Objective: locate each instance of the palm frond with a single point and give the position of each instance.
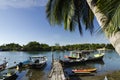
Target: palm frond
(77, 16)
(58, 17)
(79, 26)
(87, 17)
(116, 18)
(59, 11)
(49, 10)
(114, 25)
(111, 8)
(70, 12)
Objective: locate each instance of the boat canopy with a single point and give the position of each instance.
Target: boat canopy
(101, 50)
(74, 54)
(37, 58)
(78, 54)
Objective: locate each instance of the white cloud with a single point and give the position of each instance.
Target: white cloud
(22, 3)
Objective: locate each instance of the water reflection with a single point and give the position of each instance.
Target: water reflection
(96, 64)
(22, 74)
(31, 74)
(35, 74)
(111, 61)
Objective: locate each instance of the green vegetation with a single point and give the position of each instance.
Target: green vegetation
(11, 47)
(36, 46)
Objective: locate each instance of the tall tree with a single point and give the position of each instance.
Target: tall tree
(32, 46)
(77, 12)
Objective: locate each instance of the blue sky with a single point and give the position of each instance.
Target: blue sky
(22, 21)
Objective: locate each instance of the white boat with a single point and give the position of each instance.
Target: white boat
(38, 61)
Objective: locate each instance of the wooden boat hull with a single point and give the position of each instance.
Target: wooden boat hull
(8, 74)
(3, 66)
(37, 66)
(85, 70)
(82, 72)
(13, 77)
(96, 58)
(72, 58)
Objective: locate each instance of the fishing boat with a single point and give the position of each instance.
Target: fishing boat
(38, 61)
(8, 74)
(3, 66)
(81, 57)
(24, 64)
(96, 57)
(78, 54)
(33, 62)
(84, 70)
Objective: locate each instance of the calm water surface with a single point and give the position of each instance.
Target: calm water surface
(111, 62)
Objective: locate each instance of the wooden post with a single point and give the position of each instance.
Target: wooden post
(52, 59)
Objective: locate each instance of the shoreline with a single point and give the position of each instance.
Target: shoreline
(111, 75)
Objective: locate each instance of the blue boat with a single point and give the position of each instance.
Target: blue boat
(34, 62)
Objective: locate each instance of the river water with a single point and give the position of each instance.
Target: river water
(111, 62)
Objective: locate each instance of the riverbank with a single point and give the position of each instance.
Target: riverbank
(115, 75)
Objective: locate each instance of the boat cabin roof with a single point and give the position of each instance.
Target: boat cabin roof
(80, 52)
(37, 57)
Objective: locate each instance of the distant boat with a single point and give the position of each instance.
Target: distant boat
(38, 61)
(80, 57)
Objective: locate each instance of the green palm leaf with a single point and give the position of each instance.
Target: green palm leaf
(71, 13)
(111, 8)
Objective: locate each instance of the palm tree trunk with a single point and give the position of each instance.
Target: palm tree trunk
(102, 19)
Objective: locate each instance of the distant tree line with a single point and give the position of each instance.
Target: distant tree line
(36, 46)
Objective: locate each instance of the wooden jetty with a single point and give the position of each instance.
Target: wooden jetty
(56, 71)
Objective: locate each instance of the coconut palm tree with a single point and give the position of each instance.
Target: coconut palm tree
(76, 12)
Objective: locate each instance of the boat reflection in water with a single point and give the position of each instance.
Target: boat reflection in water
(87, 65)
(31, 74)
(36, 74)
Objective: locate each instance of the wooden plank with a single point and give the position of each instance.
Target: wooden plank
(56, 71)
